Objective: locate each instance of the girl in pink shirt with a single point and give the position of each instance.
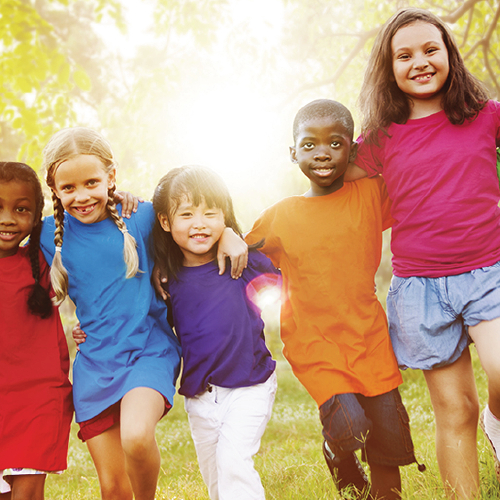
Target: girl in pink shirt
(431, 131)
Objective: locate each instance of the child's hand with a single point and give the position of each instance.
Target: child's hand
(79, 335)
(158, 280)
(129, 202)
(232, 246)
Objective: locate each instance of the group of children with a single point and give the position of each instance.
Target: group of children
(429, 129)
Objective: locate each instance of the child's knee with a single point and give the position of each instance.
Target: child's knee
(137, 440)
(345, 426)
(458, 414)
(116, 488)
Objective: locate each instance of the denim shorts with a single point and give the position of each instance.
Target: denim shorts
(429, 317)
(377, 425)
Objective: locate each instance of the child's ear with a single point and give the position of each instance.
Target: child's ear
(293, 154)
(353, 152)
(164, 222)
(112, 178)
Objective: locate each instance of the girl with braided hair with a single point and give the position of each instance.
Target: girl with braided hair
(124, 375)
(35, 392)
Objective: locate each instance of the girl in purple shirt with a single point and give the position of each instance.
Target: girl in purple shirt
(431, 131)
(228, 374)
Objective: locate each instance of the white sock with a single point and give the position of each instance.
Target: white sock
(492, 428)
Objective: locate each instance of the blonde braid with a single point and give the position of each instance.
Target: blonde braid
(58, 273)
(130, 255)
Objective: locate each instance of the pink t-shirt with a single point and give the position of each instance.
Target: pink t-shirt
(443, 183)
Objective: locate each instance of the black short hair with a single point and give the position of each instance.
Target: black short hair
(321, 108)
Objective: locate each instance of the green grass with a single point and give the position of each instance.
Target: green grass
(290, 460)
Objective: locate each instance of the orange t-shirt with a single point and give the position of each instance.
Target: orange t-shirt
(333, 327)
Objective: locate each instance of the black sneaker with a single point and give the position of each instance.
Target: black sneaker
(348, 474)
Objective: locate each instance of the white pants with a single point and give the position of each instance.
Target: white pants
(227, 426)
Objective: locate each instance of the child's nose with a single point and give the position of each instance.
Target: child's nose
(322, 154)
(7, 218)
(420, 61)
(81, 194)
(198, 222)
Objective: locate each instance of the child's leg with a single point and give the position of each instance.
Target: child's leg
(345, 430)
(386, 482)
(205, 424)
(109, 460)
(28, 487)
(247, 412)
(389, 444)
(456, 408)
(486, 336)
(141, 409)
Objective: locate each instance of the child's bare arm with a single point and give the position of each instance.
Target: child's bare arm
(158, 279)
(232, 246)
(353, 173)
(129, 202)
(79, 335)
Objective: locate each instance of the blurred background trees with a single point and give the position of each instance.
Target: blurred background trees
(215, 82)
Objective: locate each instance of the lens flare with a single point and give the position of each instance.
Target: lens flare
(264, 290)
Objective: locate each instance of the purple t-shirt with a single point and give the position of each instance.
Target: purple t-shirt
(443, 183)
(220, 328)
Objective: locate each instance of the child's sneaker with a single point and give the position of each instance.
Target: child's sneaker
(347, 473)
(495, 456)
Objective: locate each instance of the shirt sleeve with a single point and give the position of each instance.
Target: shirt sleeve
(263, 229)
(368, 157)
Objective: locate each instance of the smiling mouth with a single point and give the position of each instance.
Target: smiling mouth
(322, 171)
(199, 236)
(7, 235)
(423, 78)
(85, 210)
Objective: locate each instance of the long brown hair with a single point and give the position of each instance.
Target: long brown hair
(382, 102)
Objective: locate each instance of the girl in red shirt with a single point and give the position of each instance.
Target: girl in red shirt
(36, 409)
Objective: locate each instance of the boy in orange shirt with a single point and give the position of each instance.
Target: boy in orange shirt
(328, 245)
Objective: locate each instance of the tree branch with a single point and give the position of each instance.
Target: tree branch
(455, 16)
(363, 38)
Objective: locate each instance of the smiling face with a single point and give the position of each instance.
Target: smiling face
(323, 149)
(196, 229)
(82, 184)
(420, 65)
(17, 215)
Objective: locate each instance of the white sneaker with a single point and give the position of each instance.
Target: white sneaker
(495, 456)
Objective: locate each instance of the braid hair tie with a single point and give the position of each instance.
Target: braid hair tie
(58, 249)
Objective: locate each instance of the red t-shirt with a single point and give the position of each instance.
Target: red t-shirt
(36, 405)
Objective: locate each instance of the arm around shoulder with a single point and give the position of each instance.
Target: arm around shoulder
(353, 173)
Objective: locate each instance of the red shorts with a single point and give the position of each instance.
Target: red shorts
(105, 420)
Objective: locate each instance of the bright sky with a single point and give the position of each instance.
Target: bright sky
(229, 124)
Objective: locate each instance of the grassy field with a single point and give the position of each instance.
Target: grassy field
(290, 461)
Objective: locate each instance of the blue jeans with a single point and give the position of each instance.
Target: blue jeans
(377, 425)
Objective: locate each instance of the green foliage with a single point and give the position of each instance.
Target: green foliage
(42, 81)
